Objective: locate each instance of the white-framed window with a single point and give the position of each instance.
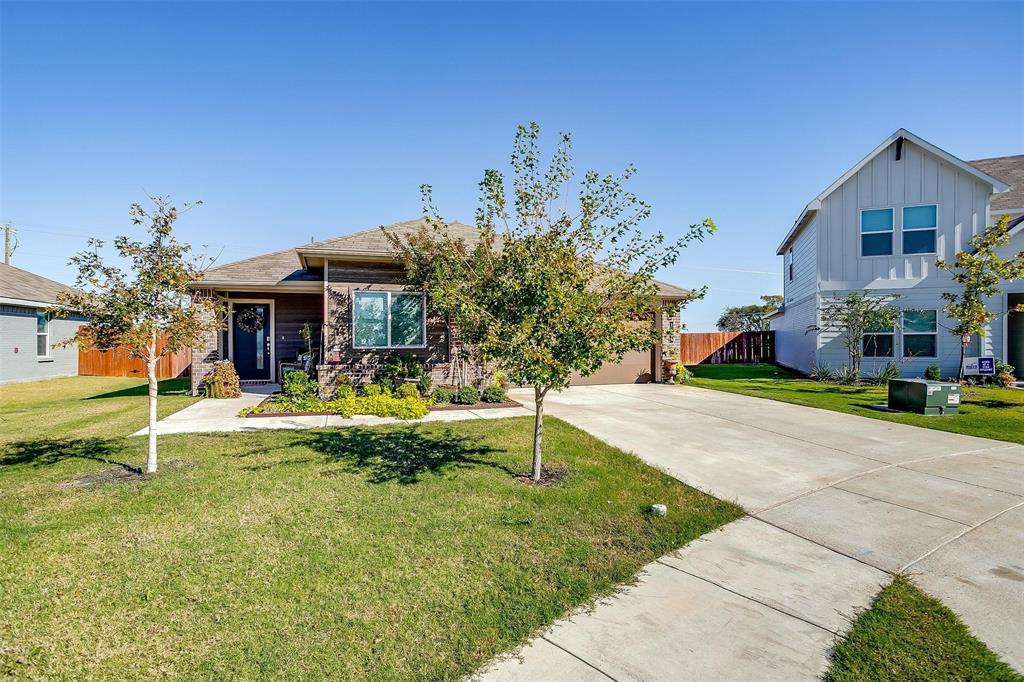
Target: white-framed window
(920, 333)
(879, 342)
(42, 334)
(920, 224)
(389, 319)
(876, 232)
(789, 264)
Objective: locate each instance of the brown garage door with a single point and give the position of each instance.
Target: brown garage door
(635, 368)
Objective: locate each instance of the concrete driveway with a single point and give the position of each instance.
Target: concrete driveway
(837, 505)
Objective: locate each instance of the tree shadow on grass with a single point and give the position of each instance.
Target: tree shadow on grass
(165, 387)
(47, 452)
(400, 455)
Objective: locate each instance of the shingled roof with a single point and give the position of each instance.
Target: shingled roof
(1009, 169)
(284, 268)
(24, 286)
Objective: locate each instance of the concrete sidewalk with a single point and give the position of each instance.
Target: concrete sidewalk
(838, 504)
(209, 416)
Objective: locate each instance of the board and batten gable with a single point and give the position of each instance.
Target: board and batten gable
(917, 178)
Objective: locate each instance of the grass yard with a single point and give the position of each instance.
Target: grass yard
(986, 412)
(383, 553)
(907, 635)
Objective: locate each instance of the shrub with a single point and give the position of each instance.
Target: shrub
(443, 395)
(494, 394)
(396, 368)
(467, 395)
(371, 390)
(823, 373)
(933, 372)
(408, 391)
(222, 381)
(883, 374)
(423, 384)
(500, 379)
(682, 374)
(344, 391)
(381, 405)
(848, 376)
(297, 384)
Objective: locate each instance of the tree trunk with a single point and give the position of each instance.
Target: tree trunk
(151, 375)
(538, 429)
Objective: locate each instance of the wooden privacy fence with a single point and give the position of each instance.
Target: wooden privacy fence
(118, 363)
(716, 348)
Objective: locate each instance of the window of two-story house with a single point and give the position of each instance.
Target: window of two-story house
(920, 333)
(879, 342)
(789, 264)
(388, 319)
(876, 229)
(919, 226)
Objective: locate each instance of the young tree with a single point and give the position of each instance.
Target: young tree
(856, 315)
(546, 291)
(749, 318)
(979, 273)
(134, 309)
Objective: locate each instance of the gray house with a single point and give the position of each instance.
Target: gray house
(881, 226)
(28, 333)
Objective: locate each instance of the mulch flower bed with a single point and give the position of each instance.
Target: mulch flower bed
(474, 406)
(432, 408)
(549, 475)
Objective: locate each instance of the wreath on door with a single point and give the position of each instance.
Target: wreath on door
(249, 319)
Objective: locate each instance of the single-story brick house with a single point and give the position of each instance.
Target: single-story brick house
(29, 333)
(350, 290)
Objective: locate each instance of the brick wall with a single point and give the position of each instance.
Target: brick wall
(207, 350)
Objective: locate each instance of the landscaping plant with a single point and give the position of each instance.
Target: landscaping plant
(147, 308)
(297, 384)
(822, 373)
(547, 290)
(396, 369)
(443, 395)
(467, 395)
(979, 272)
(494, 394)
(222, 381)
(933, 372)
(853, 317)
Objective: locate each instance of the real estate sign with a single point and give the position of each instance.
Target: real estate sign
(983, 366)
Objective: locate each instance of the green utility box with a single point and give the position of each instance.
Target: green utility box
(923, 396)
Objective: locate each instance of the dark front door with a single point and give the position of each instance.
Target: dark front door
(1015, 336)
(250, 340)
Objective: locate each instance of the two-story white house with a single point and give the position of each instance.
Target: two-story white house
(881, 226)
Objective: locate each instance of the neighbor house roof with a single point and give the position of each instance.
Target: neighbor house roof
(287, 269)
(814, 204)
(1009, 169)
(21, 287)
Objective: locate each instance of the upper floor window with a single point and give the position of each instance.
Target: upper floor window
(919, 226)
(876, 232)
(789, 264)
(920, 332)
(42, 334)
(388, 319)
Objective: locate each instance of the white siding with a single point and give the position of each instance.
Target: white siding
(18, 361)
(805, 266)
(794, 346)
(918, 178)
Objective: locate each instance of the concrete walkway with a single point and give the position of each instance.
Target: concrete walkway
(207, 416)
(837, 504)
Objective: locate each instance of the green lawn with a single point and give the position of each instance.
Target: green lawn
(907, 635)
(987, 412)
(383, 553)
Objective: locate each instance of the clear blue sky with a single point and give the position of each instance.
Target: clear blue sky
(295, 120)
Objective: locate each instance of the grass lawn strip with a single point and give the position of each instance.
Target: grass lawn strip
(907, 635)
(986, 412)
(382, 553)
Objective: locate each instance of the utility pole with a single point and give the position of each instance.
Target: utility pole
(7, 243)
